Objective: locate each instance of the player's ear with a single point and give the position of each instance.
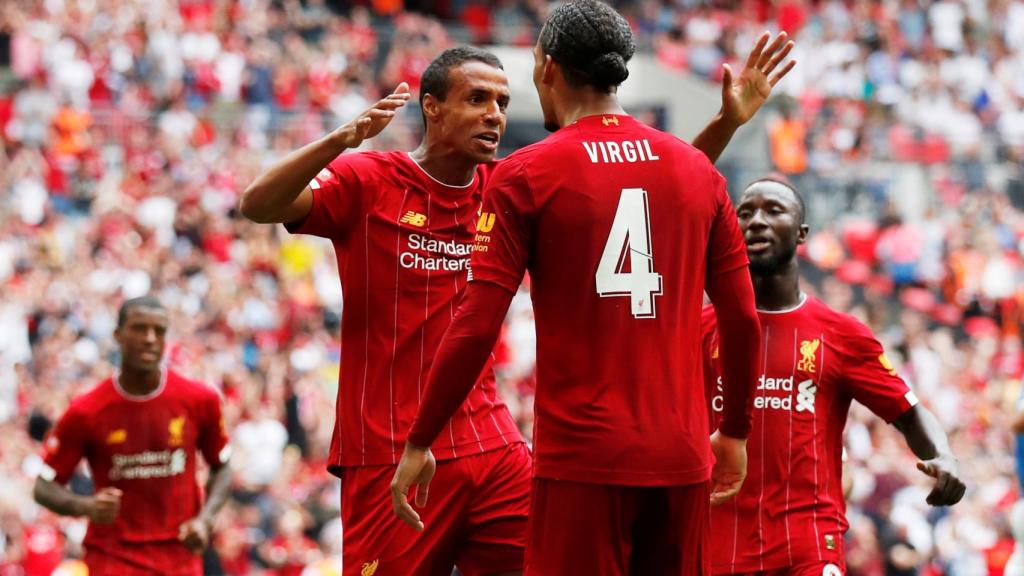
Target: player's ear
(547, 74)
(431, 108)
(801, 236)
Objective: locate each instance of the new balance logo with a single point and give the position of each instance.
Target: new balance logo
(117, 436)
(805, 393)
(415, 218)
(884, 361)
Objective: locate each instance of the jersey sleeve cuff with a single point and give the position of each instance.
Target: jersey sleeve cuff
(737, 430)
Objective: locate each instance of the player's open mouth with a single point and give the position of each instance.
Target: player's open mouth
(758, 244)
(488, 139)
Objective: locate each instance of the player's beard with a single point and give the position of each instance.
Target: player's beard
(773, 263)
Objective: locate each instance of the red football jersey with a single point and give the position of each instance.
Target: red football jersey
(146, 447)
(403, 242)
(815, 361)
(619, 225)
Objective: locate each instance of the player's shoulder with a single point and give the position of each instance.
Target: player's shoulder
(679, 149)
(368, 163)
(839, 323)
(189, 387)
(94, 398)
(531, 153)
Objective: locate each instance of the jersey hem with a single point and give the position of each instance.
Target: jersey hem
(619, 478)
(489, 444)
(759, 566)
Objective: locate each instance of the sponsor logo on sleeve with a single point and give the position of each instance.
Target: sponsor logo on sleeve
(323, 177)
(884, 361)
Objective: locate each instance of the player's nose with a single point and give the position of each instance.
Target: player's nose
(757, 219)
(493, 114)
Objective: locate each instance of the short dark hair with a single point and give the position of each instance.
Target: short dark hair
(591, 42)
(127, 306)
(435, 79)
(780, 178)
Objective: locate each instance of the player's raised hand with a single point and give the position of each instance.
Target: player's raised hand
(949, 488)
(730, 467)
(416, 468)
(195, 535)
(743, 94)
(105, 506)
(375, 119)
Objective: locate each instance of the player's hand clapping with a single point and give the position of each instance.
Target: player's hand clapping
(195, 535)
(416, 468)
(375, 119)
(743, 95)
(104, 507)
(949, 488)
(730, 467)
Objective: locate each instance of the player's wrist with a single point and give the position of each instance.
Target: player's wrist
(343, 137)
(734, 431)
(728, 119)
(413, 446)
(83, 506)
(207, 520)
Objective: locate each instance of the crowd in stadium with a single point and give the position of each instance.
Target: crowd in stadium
(129, 129)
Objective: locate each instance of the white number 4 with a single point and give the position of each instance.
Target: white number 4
(630, 236)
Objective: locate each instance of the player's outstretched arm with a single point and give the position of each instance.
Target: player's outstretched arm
(461, 357)
(196, 533)
(745, 93)
(928, 441)
(101, 508)
(281, 195)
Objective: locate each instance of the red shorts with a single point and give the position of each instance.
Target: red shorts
(599, 529)
(810, 569)
(475, 518)
(145, 559)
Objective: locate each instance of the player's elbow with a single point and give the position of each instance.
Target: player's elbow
(39, 492)
(746, 318)
(251, 207)
(1018, 423)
